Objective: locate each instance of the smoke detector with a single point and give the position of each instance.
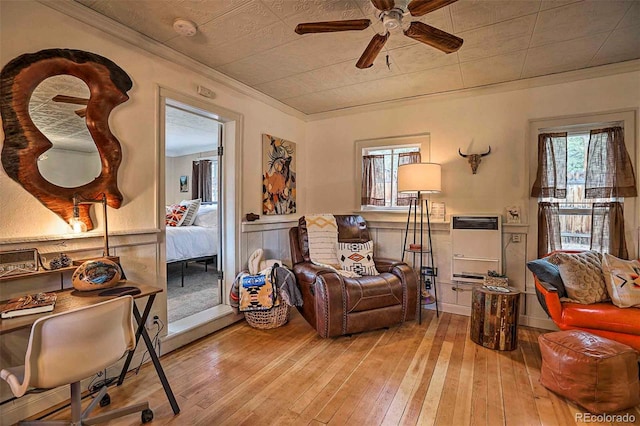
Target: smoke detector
(184, 27)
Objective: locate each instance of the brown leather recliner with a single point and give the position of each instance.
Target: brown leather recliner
(335, 305)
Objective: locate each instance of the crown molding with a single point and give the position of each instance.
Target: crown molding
(115, 29)
(545, 80)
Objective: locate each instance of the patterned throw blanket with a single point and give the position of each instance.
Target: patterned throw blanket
(322, 233)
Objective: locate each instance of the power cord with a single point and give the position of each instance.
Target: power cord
(155, 341)
(95, 385)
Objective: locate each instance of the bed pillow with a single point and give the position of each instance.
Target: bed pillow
(192, 210)
(582, 276)
(175, 215)
(549, 273)
(622, 278)
(206, 208)
(357, 257)
(208, 219)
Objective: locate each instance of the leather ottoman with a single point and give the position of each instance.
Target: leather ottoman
(597, 373)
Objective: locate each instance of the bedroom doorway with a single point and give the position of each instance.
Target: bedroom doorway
(193, 176)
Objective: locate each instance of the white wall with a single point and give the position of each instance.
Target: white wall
(180, 166)
(471, 123)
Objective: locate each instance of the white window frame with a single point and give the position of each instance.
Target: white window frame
(423, 140)
(575, 124)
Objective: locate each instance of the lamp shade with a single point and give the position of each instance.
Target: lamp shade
(423, 177)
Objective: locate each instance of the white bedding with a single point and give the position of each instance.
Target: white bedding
(188, 242)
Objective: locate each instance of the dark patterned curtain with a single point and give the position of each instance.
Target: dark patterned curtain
(607, 229)
(202, 187)
(372, 193)
(549, 238)
(551, 178)
(406, 158)
(609, 171)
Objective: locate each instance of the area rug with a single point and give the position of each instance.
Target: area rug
(200, 290)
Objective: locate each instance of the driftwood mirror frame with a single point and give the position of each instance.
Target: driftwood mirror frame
(24, 142)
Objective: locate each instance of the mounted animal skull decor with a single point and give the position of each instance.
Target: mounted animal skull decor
(474, 159)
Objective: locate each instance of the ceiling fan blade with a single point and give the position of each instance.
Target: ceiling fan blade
(333, 26)
(422, 7)
(383, 5)
(441, 40)
(70, 100)
(82, 113)
(371, 52)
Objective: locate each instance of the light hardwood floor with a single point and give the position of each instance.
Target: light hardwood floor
(409, 374)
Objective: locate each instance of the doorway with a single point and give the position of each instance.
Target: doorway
(193, 204)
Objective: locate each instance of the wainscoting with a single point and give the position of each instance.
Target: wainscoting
(272, 236)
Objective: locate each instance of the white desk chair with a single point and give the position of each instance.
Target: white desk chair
(68, 347)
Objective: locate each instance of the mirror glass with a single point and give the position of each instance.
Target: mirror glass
(57, 108)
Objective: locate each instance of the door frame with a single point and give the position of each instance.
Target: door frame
(230, 167)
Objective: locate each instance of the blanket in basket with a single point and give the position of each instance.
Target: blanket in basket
(257, 292)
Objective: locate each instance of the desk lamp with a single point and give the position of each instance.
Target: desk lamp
(420, 178)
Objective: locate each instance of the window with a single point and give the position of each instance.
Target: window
(377, 162)
(382, 164)
(575, 211)
(584, 178)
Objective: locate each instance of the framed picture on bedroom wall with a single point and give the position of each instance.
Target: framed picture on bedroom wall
(184, 183)
(278, 176)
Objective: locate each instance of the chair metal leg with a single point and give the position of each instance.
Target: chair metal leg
(96, 401)
(76, 403)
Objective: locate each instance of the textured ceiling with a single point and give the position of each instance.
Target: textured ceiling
(188, 133)
(253, 42)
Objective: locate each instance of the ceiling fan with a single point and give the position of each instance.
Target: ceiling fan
(391, 17)
(73, 100)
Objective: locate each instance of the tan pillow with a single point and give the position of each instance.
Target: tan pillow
(582, 277)
(622, 278)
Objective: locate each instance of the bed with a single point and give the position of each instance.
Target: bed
(194, 243)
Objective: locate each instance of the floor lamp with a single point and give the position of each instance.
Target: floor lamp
(420, 178)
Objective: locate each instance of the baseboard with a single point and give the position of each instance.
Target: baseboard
(543, 323)
(529, 321)
(450, 308)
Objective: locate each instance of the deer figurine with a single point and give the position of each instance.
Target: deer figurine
(474, 159)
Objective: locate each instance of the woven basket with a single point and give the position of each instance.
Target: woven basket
(272, 318)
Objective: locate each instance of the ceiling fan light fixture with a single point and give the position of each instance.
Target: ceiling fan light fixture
(392, 19)
(184, 27)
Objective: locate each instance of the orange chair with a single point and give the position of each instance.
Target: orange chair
(602, 319)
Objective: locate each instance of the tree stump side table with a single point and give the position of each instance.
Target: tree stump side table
(494, 318)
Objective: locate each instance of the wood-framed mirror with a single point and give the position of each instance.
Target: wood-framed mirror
(93, 87)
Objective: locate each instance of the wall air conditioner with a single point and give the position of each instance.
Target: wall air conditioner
(476, 245)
